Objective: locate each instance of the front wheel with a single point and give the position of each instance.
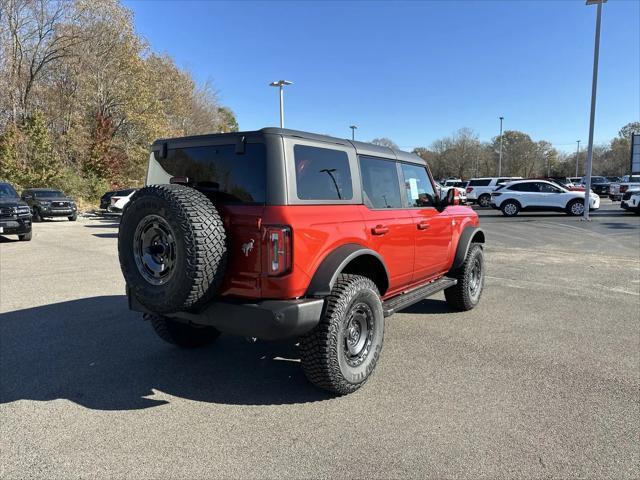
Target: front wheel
(510, 208)
(73, 217)
(575, 207)
(341, 352)
(182, 334)
(25, 237)
(465, 295)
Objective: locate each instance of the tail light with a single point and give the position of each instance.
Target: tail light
(469, 189)
(278, 241)
(623, 188)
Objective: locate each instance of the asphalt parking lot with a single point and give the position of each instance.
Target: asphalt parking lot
(542, 380)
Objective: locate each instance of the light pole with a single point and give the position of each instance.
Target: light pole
(594, 86)
(500, 157)
(577, 156)
(353, 131)
(281, 84)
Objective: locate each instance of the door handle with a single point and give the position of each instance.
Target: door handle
(423, 225)
(380, 230)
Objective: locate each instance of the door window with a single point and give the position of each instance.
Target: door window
(418, 187)
(381, 188)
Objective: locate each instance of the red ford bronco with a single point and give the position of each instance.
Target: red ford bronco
(279, 233)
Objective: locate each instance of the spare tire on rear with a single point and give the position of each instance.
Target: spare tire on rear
(172, 248)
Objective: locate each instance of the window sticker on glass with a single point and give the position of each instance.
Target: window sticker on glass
(413, 188)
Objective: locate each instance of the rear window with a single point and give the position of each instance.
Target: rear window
(220, 172)
(322, 173)
(479, 183)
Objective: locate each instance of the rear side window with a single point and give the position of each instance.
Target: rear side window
(418, 187)
(381, 188)
(322, 173)
(479, 183)
(221, 173)
(523, 187)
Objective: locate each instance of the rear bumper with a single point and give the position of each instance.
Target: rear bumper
(15, 226)
(266, 319)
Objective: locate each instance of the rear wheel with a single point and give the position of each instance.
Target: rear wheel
(341, 352)
(510, 208)
(575, 207)
(182, 334)
(466, 294)
(484, 200)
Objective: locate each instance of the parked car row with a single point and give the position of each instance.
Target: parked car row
(19, 212)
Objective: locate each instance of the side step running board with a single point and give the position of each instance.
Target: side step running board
(407, 299)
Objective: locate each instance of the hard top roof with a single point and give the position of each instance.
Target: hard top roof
(362, 148)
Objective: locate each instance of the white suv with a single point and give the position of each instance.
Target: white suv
(631, 201)
(540, 195)
(479, 189)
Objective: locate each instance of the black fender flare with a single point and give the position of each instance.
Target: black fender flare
(469, 235)
(327, 273)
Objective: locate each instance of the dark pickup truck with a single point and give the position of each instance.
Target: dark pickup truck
(48, 202)
(15, 215)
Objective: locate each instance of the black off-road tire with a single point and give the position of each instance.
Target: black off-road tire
(73, 217)
(510, 208)
(181, 334)
(462, 296)
(325, 360)
(200, 246)
(570, 205)
(25, 237)
(484, 200)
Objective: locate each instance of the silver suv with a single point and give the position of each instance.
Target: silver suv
(479, 189)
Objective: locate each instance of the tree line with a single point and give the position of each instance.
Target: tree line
(82, 96)
(463, 155)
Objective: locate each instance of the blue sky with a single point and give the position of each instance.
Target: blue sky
(411, 71)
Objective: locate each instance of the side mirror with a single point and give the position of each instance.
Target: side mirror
(27, 197)
(452, 198)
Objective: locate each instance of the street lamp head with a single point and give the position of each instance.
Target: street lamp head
(280, 83)
(353, 127)
(595, 2)
(501, 118)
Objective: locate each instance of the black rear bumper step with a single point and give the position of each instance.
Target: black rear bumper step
(407, 299)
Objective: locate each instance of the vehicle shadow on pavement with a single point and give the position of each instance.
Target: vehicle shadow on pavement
(429, 306)
(104, 225)
(97, 353)
(105, 235)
